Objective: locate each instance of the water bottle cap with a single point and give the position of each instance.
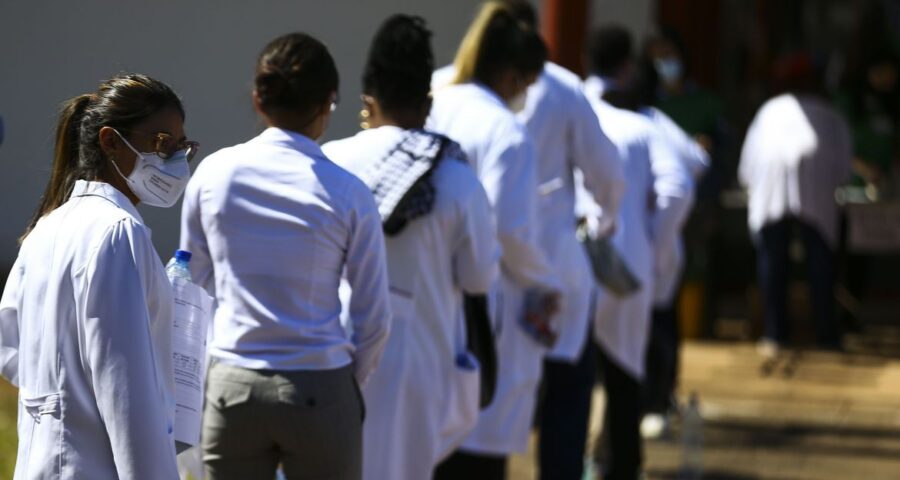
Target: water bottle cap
(182, 256)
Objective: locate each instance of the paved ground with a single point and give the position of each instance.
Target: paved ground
(812, 416)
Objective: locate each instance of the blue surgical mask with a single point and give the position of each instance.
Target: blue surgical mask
(669, 69)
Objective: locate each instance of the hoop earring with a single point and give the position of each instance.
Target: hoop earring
(364, 115)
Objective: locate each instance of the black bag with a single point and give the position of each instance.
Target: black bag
(480, 342)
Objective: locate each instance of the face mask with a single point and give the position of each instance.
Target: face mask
(157, 182)
(517, 103)
(669, 69)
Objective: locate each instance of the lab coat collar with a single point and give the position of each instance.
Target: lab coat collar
(301, 143)
(487, 93)
(595, 86)
(84, 188)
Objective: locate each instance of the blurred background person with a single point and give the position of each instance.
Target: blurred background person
(87, 312)
(656, 202)
(797, 151)
(272, 224)
(497, 60)
(444, 244)
(663, 345)
(567, 138)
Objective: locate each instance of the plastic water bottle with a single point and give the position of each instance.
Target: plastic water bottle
(178, 266)
(692, 441)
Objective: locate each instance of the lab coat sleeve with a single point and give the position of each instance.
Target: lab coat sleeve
(476, 253)
(9, 324)
(596, 157)
(509, 176)
(695, 158)
(366, 271)
(119, 355)
(673, 190)
(193, 238)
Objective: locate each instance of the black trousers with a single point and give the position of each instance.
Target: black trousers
(621, 423)
(463, 465)
(565, 407)
(773, 263)
(661, 361)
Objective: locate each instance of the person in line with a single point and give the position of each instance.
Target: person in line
(663, 345)
(86, 315)
(568, 141)
(446, 245)
(656, 202)
(797, 151)
(496, 62)
(272, 224)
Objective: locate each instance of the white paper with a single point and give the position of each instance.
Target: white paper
(193, 312)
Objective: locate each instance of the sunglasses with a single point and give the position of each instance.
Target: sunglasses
(166, 146)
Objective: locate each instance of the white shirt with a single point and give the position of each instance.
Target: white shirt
(498, 147)
(656, 202)
(86, 333)
(796, 153)
(567, 139)
(431, 262)
(272, 224)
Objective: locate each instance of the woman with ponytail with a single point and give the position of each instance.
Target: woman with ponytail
(440, 243)
(273, 224)
(497, 60)
(86, 315)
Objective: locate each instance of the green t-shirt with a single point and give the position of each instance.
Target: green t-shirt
(697, 111)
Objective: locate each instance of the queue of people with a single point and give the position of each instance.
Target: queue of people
(342, 273)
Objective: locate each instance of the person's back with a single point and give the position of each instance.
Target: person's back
(796, 153)
(278, 217)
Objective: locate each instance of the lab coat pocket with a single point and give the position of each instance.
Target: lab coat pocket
(42, 436)
(463, 403)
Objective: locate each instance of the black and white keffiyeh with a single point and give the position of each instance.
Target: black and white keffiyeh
(401, 181)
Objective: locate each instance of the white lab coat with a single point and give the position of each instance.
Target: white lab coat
(499, 149)
(797, 152)
(695, 160)
(430, 263)
(656, 202)
(567, 138)
(86, 334)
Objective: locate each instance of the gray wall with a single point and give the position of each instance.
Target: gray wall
(52, 50)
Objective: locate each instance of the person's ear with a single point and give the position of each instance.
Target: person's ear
(257, 103)
(109, 141)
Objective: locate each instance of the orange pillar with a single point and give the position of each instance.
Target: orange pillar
(564, 27)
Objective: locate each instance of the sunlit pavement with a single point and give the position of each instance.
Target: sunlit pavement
(810, 415)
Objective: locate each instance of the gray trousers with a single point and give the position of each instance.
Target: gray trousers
(309, 422)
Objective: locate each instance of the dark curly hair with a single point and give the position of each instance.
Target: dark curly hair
(398, 71)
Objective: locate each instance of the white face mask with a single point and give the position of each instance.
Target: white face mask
(669, 69)
(157, 182)
(517, 103)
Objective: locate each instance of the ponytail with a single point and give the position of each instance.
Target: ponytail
(64, 171)
(498, 40)
(466, 61)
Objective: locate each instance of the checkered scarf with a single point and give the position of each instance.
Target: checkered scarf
(401, 181)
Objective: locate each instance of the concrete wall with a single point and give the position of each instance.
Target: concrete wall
(52, 50)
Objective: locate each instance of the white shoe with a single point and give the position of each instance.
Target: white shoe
(654, 426)
(768, 348)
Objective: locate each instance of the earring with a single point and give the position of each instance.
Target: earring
(364, 118)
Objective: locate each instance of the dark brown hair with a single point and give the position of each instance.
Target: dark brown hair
(295, 73)
(121, 102)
